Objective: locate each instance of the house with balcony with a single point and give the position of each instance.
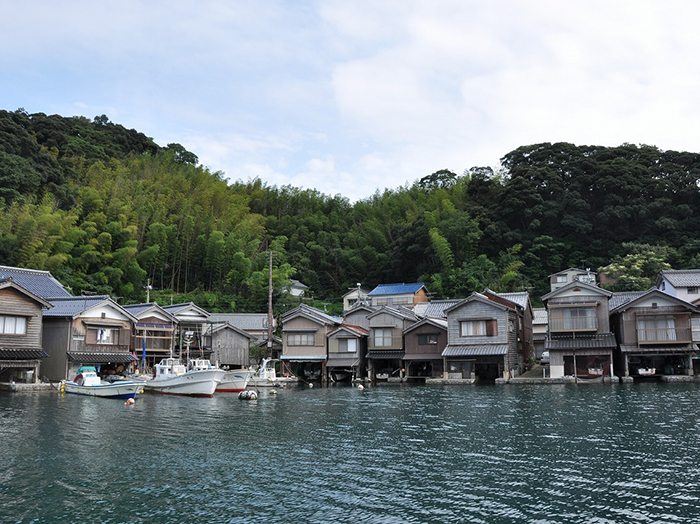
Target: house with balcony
(398, 295)
(153, 333)
(304, 341)
(482, 340)
(89, 330)
(657, 335)
(192, 323)
(680, 283)
(579, 341)
(21, 350)
(540, 323)
(386, 343)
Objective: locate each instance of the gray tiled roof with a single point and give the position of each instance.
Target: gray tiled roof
(71, 306)
(540, 316)
(475, 350)
(137, 309)
(434, 308)
(682, 277)
(245, 321)
(518, 298)
(622, 298)
(41, 283)
(316, 314)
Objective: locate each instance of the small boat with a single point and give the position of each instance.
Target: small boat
(646, 372)
(197, 379)
(234, 380)
(87, 382)
(266, 376)
(595, 371)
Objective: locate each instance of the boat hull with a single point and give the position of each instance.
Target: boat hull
(234, 381)
(193, 383)
(123, 390)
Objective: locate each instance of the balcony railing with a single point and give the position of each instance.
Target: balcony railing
(663, 335)
(573, 324)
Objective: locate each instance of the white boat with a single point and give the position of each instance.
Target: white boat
(87, 382)
(197, 379)
(647, 372)
(266, 376)
(234, 380)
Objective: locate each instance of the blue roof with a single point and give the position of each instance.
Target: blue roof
(41, 283)
(395, 289)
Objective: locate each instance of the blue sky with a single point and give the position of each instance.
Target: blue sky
(351, 97)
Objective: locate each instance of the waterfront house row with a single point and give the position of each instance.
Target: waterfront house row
(482, 337)
(46, 332)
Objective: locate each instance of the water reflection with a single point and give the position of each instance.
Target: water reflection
(386, 454)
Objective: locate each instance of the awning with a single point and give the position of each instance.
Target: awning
(22, 354)
(385, 354)
(303, 358)
(342, 362)
(475, 351)
(601, 341)
(651, 350)
(102, 358)
(104, 323)
(422, 356)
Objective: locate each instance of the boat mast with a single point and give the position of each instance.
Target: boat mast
(269, 305)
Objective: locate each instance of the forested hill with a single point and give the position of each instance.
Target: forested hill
(107, 210)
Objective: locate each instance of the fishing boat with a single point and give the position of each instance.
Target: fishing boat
(199, 378)
(266, 376)
(234, 380)
(87, 382)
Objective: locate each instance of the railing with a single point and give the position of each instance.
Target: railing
(663, 335)
(573, 324)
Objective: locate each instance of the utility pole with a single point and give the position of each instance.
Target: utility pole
(269, 305)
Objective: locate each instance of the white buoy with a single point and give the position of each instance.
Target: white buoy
(360, 387)
(311, 385)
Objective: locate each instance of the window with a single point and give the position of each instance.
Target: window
(660, 328)
(573, 319)
(347, 344)
(427, 339)
(692, 290)
(301, 339)
(559, 279)
(382, 337)
(477, 328)
(380, 301)
(402, 301)
(13, 325)
(106, 336)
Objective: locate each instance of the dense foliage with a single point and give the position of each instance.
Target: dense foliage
(108, 211)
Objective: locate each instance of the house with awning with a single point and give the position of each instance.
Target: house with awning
(192, 323)
(86, 330)
(424, 343)
(385, 347)
(304, 341)
(347, 346)
(657, 335)
(153, 334)
(579, 341)
(21, 350)
(483, 342)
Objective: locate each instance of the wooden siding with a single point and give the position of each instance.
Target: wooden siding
(358, 318)
(627, 322)
(395, 343)
(55, 339)
(230, 348)
(413, 347)
(477, 310)
(602, 309)
(15, 303)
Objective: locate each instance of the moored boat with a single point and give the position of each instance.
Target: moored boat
(266, 376)
(234, 380)
(197, 379)
(87, 382)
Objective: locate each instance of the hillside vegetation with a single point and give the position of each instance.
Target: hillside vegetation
(107, 210)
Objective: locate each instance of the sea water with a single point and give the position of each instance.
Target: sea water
(386, 454)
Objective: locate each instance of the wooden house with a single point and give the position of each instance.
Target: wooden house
(230, 345)
(154, 332)
(482, 339)
(347, 347)
(424, 343)
(21, 349)
(92, 330)
(540, 322)
(386, 344)
(520, 302)
(192, 322)
(304, 342)
(580, 342)
(657, 334)
(398, 295)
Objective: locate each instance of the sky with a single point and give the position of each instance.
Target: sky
(353, 97)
